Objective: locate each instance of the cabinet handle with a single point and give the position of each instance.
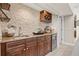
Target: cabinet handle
(24, 49)
(27, 48)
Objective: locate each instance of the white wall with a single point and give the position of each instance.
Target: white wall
(69, 30)
(56, 23)
(23, 16)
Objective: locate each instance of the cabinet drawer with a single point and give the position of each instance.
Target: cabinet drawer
(14, 43)
(31, 42)
(16, 51)
(31, 39)
(41, 38)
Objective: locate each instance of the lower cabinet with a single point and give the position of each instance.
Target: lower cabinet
(16, 51)
(34, 46)
(15, 48)
(31, 47)
(44, 45)
(48, 44)
(41, 46)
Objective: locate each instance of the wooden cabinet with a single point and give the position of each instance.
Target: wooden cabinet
(16, 51)
(44, 45)
(41, 51)
(31, 47)
(15, 48)
(34, 46)
(48, 44)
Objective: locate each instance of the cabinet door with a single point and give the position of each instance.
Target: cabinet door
(46, 47)
(16, 51)
(31, 47)
(41, 51)
(31, 51)
(47, 44)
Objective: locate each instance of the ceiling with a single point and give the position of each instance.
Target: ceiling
(75, 7)
(61, 9)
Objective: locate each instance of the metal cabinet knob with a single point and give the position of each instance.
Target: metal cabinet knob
(24, 49)
(27, 48)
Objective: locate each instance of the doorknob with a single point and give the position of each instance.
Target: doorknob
(27, 48)
(24, 49)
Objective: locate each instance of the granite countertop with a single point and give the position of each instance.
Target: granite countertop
(8, 39)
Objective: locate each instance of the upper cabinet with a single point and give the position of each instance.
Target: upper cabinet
(5, 6)
(45, 16)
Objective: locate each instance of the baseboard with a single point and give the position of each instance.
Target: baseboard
(66, 43)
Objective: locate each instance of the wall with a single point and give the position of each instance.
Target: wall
(56, 24)
(22, 16)
(69, 30)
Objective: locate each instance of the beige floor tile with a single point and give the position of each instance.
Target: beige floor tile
(63, 50)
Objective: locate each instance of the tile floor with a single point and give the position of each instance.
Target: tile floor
(63, 50)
